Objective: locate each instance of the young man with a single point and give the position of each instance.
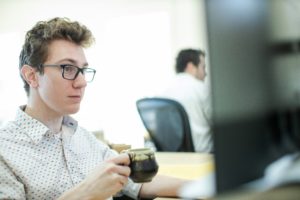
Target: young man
(188, 88)
(44, 153)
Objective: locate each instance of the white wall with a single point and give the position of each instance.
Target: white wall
(136, 43)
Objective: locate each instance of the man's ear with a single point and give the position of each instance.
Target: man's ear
(30, 76)
(191, 68)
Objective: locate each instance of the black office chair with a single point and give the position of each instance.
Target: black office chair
(167, 123)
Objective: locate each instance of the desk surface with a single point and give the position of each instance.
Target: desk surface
(184, 165)
(195, 165)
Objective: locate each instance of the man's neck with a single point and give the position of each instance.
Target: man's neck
(52, 121)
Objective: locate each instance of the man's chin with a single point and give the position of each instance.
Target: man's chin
(73, 110)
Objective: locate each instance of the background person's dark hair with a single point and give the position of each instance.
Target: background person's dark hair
(35, 49)
(187, 55)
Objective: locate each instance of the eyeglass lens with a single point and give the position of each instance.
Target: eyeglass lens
(71, 72)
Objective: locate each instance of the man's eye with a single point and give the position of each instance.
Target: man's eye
(70, 68)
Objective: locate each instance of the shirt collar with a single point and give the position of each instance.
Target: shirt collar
(35, 129)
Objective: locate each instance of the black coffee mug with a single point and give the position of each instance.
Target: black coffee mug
(143, 164)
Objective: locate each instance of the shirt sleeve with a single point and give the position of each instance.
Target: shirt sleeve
(10, 186)
(132, 189)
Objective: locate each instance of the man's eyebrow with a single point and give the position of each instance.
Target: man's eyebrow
(72, 61)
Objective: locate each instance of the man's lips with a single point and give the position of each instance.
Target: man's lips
(75, 97)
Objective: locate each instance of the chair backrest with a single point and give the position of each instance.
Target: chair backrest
(167, 123)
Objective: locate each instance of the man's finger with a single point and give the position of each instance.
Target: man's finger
(122, 159)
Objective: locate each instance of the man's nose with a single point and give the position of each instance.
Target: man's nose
(80, 80)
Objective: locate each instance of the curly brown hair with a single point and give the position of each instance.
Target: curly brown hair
(35, 49)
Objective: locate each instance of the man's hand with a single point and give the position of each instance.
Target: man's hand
(104, 181)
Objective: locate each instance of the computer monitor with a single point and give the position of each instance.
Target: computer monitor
(245, 120)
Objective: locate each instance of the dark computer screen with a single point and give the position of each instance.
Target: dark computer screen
(242, 90)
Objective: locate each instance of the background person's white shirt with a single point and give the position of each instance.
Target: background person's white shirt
(193, 94)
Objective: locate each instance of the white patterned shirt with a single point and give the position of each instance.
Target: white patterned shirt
(37, 164)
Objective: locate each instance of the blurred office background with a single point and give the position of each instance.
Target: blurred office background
(136, 44)
(285, 40)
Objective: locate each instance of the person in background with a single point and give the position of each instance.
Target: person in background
(189, 89)
(44, 153)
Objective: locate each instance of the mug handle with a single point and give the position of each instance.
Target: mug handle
(130, 155)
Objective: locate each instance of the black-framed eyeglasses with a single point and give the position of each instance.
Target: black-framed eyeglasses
(70, 72)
